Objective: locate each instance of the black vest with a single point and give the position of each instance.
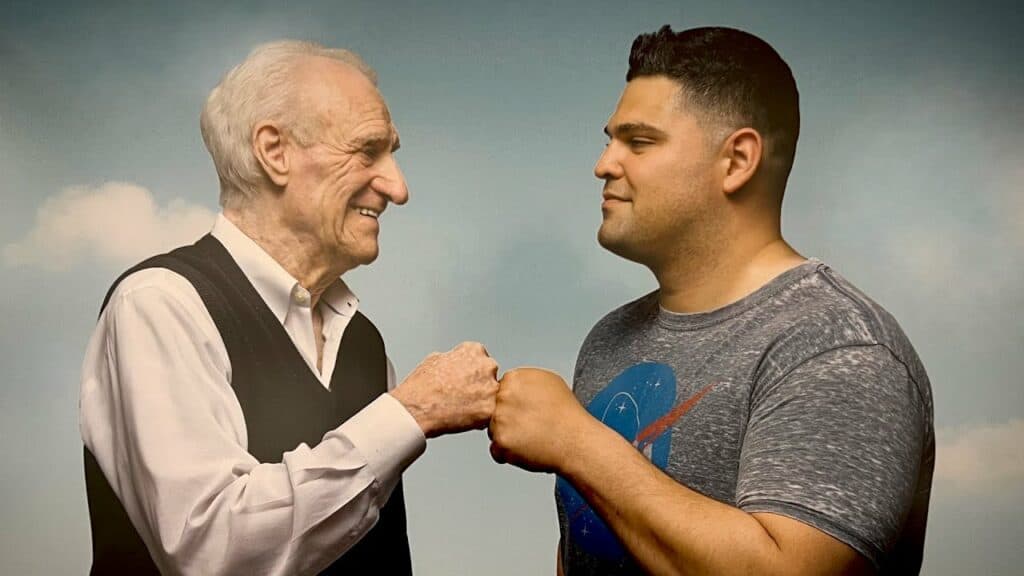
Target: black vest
(283, 402)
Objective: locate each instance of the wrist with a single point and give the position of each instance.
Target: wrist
(580, 434)
(414, 410)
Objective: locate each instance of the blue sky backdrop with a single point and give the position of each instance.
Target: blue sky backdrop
(908, 180)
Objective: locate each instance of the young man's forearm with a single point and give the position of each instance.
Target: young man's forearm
(670, 529)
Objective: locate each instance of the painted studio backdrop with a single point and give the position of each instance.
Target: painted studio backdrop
(908, 180)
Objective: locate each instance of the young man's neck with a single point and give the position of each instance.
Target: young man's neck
(711, 281)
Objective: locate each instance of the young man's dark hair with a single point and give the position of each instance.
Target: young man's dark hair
(736, 78)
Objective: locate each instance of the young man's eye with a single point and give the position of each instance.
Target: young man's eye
(640, 142)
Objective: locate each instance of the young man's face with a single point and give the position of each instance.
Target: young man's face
(657, 168)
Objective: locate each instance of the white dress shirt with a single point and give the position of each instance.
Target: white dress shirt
(159, 415)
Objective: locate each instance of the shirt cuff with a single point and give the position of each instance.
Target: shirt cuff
(387, 436)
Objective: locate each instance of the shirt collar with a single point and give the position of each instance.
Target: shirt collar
(272, 282)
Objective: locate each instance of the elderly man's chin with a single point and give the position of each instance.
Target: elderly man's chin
(358, 251)
(366, 253)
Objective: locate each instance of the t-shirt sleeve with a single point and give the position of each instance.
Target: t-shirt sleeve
(836, 443)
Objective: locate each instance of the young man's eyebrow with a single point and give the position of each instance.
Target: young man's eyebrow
(628, 128)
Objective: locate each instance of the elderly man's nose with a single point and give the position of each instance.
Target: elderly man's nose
(391, 183)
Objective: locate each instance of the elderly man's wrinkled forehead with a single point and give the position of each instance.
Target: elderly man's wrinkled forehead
(337, 95)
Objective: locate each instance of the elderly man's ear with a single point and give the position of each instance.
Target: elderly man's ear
(269, 149)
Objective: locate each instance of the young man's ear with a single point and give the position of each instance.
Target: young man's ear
(268, 146)
(742, 155)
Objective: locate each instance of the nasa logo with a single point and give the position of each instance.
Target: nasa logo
(639, 404)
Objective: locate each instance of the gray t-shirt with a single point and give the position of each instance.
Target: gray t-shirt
(804, 399)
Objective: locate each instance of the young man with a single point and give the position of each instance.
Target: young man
(756, 414)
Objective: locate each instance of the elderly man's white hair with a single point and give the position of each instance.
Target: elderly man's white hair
(259, 89)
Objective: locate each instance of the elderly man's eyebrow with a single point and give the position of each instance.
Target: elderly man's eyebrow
(378, 142)
(633, 129)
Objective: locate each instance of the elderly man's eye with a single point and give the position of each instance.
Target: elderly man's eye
(370, 153)
(374, 150)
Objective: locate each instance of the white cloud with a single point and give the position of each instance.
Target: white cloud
(981, 459)
(117, 223)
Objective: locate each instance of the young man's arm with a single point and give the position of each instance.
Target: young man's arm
(670, 529)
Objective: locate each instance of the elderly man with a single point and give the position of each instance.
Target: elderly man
(239, 413)
(757, 414)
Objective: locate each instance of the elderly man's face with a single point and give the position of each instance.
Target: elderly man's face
(343, 181)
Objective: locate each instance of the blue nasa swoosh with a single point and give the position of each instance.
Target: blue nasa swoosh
(632, 401)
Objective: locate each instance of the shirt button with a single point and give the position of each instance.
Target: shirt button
(300, 295)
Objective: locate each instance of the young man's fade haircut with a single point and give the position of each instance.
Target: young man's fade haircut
(730, 79)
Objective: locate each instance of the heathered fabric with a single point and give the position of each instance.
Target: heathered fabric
(803, 399)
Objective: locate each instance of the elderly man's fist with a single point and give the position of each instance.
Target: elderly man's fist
(536, 420)
(452, 391)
